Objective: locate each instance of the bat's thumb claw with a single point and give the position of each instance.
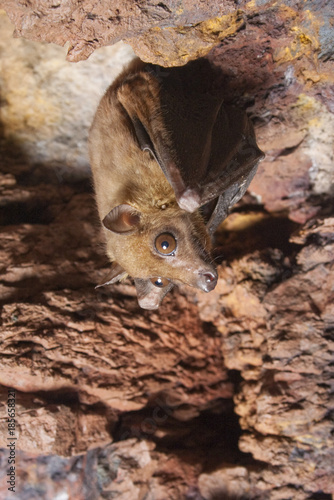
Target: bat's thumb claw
(189, 200)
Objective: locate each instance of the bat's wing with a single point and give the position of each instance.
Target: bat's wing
(205, 149)
(242, 156)
(227, 199)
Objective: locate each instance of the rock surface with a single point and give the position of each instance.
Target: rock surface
(169, 33)
(148, 26)
(274, 309)
(47, 104)
(215, 396)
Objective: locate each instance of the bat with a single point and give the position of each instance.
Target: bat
(169, 160)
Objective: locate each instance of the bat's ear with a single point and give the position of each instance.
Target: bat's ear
(117, 273)
(150, 296)
(122, 219)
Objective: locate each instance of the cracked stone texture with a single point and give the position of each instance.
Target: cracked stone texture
(215, 396)
(274, 309)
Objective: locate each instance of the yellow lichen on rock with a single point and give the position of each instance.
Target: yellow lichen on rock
(305, 38)
(221, 27)
(175, 46)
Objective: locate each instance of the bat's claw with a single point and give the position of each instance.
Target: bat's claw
(189, 200)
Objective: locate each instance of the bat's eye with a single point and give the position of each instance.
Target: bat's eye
(165, 243)
(160, 282)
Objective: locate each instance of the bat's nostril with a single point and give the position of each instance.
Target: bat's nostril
(208, 280)
(209, 277)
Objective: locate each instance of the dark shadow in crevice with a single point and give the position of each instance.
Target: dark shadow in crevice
(320, 495)
(26, 212)
(266, 231)
(209, 439)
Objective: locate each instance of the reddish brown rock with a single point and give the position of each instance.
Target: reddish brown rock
(215, 396)
(276, 332)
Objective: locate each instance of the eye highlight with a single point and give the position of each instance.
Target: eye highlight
(159, 282)
(165, 244)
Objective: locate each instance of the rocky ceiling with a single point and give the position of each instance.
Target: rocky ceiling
(215, 396)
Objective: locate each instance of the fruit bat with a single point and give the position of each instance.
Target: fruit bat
(169, 160)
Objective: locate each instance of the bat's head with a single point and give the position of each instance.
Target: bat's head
(160, 248)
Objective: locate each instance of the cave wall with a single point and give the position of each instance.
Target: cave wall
(214, 396)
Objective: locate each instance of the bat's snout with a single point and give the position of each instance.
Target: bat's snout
(207, 280)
